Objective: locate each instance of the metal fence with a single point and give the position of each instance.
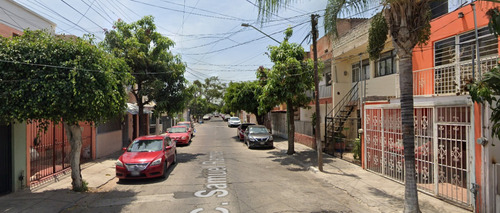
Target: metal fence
(441, 149)
(49, 150)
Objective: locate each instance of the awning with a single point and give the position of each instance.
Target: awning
(133, 109)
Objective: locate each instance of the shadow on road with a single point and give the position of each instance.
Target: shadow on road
(149, 180)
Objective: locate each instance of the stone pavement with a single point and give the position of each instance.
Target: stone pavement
(372, 190)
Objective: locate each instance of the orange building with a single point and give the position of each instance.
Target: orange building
(456, 159)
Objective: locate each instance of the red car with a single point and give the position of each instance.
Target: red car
(241, 130)
(146, 157)
(180, 134)
(188, 125)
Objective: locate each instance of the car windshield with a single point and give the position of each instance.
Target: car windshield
(258, 130)
(234, 119)
(178, 130)
(145, 146)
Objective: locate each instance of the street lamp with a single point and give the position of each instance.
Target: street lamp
(249, 25)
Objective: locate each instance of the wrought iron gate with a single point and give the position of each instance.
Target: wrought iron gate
(444, 129)
(49, 150)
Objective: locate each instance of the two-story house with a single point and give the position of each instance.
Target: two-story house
(452, 160)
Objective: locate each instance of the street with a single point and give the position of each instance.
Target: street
(218, 173)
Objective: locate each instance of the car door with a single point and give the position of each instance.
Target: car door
(169, 150)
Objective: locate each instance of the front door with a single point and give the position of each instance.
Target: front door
(5, 159)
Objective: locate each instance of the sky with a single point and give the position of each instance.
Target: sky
(208, 34)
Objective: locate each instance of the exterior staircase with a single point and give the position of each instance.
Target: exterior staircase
(336, 119)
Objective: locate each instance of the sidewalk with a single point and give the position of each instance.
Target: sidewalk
(370, 189)
(57, 195)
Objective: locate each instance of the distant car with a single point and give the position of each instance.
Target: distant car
(146, 157)
(233, 122)
(241, 130)
(226, 117)
(179, 134)
(206, 117)
(188, 125)
(258, 136)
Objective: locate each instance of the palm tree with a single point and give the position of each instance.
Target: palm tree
(408, 22)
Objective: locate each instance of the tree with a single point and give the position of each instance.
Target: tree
(408, 22)
(245, 96)
(159, 75)
(287, 81)
(487, 89)
(52, 78)
(213, 91)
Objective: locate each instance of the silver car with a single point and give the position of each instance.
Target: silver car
(258, 136)
(233, 122)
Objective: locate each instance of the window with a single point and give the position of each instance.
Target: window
(386, 65)
(444, 51)
(328, 77)
(365, 66)
(488, 44)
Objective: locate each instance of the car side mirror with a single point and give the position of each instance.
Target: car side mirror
(124, 148)
(168, 130)
(168, 148)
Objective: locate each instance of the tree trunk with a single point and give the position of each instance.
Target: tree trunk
(74, 134)
(260, 119)
(407, 113)
(143, 127)
(291, 128)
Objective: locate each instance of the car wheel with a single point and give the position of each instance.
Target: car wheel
(175, 158)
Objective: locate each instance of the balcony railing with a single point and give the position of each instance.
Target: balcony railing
(449, 79)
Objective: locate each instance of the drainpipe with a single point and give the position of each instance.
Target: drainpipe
(474, 186)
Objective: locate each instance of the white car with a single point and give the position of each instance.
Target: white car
(233, 122)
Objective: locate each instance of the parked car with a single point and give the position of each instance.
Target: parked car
(226, 117)
(206, 117)
(258, 136)
(241, 130)
(188, 125)
(233, 122)
(146, 157)
(180, 134)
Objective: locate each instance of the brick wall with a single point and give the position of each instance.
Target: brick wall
(305, 139)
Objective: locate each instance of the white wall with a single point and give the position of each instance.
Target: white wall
(19, 17)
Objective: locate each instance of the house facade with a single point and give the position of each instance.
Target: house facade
(450, 163)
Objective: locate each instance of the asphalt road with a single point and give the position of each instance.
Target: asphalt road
(218, 173)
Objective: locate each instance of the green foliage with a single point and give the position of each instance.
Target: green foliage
(84, 187)
(158, 73)
(46, 77)
(356, 150)
(206, 97)
(486, 91)
(243, 96)
(289, 78)
(377, 35)
(494, 20)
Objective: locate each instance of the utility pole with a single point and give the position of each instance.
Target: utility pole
(319, 146)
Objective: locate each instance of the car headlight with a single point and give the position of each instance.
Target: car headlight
(119, 163)
(271, 138)
(156, 162)
(183, 137)
(251, 138)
